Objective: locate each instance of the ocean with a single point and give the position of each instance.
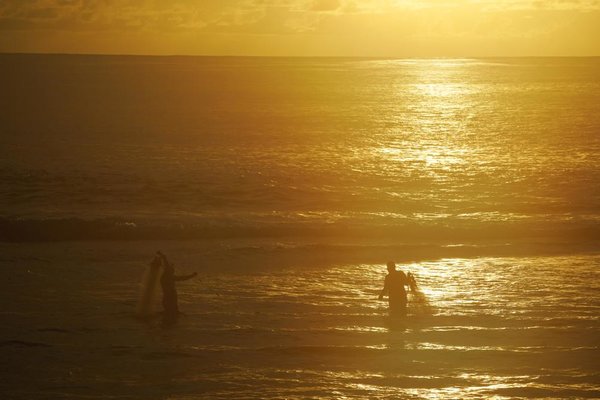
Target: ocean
(287, 184)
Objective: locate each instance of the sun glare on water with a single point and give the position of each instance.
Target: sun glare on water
(438, 116)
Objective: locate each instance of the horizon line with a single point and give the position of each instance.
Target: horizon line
(281, 56)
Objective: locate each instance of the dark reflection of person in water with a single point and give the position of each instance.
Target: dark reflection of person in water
(395, 281)
(167, 283)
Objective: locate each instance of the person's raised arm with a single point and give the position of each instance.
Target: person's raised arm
(185, 277)
(163, 258)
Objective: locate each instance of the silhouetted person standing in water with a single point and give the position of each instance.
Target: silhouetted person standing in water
(167, 283)
(394, 288)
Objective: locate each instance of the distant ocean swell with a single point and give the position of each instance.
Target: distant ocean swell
(359, 229)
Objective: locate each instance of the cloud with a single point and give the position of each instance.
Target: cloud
(239, 15)
(566, 4)
(325, 5)
(95, 15)
(423, 27)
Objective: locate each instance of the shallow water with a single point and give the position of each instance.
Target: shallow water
(524, 327)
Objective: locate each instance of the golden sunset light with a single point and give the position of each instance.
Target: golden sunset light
(397, 28)
(300, 199)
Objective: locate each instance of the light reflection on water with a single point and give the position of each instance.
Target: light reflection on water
(349, 141)
(446, 144)
(496, 324)
(497, 328)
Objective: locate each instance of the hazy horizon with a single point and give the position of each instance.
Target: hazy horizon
(384, 57)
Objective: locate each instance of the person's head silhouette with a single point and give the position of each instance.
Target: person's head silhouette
(391, 266)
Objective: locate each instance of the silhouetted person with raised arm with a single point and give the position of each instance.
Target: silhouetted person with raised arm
(394, 288)
(167, 283)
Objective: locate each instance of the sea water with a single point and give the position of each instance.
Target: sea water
(439, 149)
(287, 184)
(490, 327)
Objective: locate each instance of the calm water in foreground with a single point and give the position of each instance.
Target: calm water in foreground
(287, 184)
(505, 327)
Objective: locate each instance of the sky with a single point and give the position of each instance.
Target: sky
(369, 28)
